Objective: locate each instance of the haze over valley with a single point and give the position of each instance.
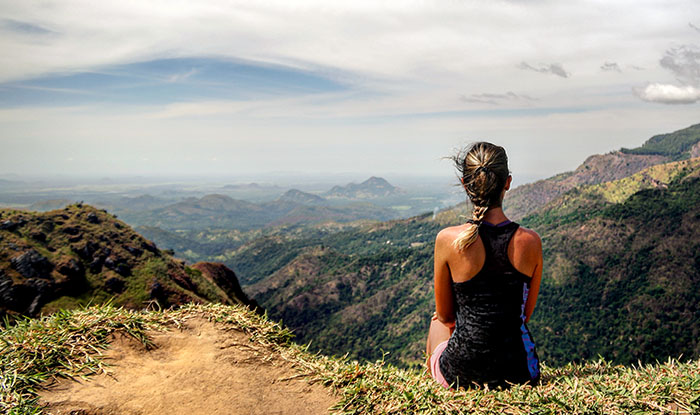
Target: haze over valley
(356, 259)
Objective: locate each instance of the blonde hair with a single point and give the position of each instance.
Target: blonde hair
(483, 170)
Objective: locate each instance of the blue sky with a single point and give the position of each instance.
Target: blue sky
(163, 81)
(363, 87)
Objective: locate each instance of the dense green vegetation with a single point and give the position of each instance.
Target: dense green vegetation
(675, 145)
(624, 280)
(349, 304)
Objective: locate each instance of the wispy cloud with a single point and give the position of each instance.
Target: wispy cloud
(495, 99)
(669, 94)
(22, 27)
(684, 63)
(178, 77)
(692, 26)
(610, 67)
(552, 68)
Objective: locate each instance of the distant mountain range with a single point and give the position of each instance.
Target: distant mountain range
(220, 211)
(304, 198)
(373, 187)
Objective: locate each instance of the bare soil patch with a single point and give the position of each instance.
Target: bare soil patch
(201, 369)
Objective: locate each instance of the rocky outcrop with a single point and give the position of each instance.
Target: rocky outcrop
(695, 150)
(31, 264)
(26, 297)
(223, 277)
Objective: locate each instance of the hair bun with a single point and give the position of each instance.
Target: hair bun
(480, 169)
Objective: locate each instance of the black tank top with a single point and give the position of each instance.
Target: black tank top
(491, 343)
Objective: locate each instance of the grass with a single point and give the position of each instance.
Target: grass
(70, 344)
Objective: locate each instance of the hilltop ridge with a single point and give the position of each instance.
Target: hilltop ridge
(600, 168)
(78, 254)
(297, 196)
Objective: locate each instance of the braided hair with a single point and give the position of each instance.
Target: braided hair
(483, 171)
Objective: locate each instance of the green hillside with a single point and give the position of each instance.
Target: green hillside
(676, 145)
(79, 255)
(601, 168)
(622, 279)
(582, 201)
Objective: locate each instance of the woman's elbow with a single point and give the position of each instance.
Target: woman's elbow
(448, 320)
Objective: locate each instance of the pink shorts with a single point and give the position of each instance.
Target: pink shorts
(435, 364)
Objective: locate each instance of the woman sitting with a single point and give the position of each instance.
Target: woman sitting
(487, 277)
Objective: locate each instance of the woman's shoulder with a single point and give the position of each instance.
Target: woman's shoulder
(450, 233)
(444, 241)
(527, 239)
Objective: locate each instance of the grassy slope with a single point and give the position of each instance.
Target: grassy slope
(69, 344)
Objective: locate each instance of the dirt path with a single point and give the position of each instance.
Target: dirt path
(199, 370)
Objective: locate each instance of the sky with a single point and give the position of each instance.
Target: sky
(278, 88)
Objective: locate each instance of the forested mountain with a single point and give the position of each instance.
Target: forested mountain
(611, 249)
(622, 279)
(601, 168)
(677, 145)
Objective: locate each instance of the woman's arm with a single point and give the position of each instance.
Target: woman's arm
(536, 247)
(444, 300)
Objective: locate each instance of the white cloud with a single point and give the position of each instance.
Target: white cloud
(670, 94)
(684, 63)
